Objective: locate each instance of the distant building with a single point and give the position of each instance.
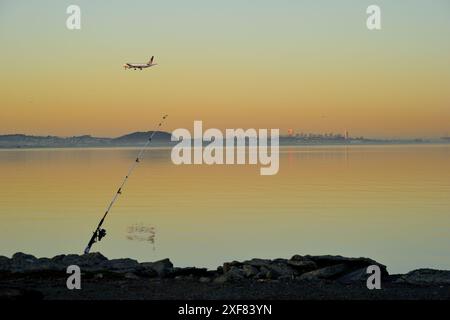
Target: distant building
(290, 132)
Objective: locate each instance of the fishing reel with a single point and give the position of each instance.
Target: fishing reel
(98, 235)
(101, 234)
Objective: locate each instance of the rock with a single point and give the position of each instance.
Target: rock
(5, 263)
(204, 280)
(46, 264)
(162, 267)
(87, 262)
(347, 265)
(271, 275)
(234, 274)
(279, 260)
(330, 272)
(357, 276)
(58, 259)
(301, 264)
(66, 260)
(23, 257)
(92, 259)
(249, 270)
(221, 279)
(297, 257)
(120, 265)
(146, 270)
(228, 265)
(21, 262)
(279, 269)
(286, 278)
(426, 277)
(353, 263)
(258, 262)
(131, 276)
(263, 273)
(27, 263)
(268, 269)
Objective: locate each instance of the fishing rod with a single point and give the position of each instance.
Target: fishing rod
(99, 233)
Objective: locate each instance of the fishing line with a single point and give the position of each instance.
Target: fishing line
(99, 233)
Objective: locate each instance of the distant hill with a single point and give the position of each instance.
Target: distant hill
(138, 137)
(132, 139)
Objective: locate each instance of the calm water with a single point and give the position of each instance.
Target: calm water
(391, 203)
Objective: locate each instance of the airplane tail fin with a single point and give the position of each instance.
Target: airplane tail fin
(151, 60)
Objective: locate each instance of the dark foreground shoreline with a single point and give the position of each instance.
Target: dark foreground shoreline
(25, 277)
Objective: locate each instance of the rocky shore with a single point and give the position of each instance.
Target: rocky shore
(24, 276)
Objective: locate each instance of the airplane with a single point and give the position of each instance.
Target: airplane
(139, 66)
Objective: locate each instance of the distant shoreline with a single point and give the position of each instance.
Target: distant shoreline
(162, 145)
(163, 139)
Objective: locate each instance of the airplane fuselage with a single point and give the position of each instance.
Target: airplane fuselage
(139, 66)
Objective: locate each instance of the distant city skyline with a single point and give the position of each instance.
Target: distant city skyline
(283, 134)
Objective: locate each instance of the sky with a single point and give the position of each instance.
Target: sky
(309, 65)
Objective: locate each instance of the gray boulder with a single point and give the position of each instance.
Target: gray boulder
(258, 262)
(5, 263)
(119, 265)
(264, 273)
(357, 276)
(221, 279)
(162, 267)
(426, 277)
(234, 274)
(249, 270)
(46, 264)
(130, 276)
(87, 262)
(280, 269)
(21, 262)
(23, 257)
(228, 265)
(353, 263)
(330, 272)
(204, 279)
(66, 260)
(92, 259)
(301, 264)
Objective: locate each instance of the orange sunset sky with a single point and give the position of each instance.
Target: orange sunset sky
(308, 65)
